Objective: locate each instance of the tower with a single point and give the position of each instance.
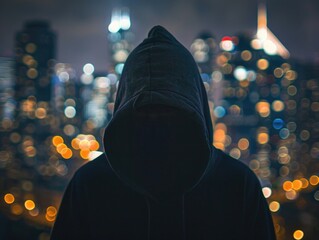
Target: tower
(35, 53)
(266, 40)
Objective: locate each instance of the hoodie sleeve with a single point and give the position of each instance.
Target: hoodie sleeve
(70, 222)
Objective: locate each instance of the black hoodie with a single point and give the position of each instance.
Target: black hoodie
(160, 176)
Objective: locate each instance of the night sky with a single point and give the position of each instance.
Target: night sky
(82, 25)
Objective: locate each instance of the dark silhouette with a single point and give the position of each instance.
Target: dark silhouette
(160, 177)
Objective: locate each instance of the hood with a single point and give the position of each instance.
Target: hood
(159, 141)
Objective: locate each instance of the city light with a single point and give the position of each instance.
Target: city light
(88, 69)
(227, 44)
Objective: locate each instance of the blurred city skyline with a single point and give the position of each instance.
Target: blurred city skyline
(264, 104)
(82, 26)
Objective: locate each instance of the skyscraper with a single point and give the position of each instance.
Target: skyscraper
(35, 50)
(120, 37)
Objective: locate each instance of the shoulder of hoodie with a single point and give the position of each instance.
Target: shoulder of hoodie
(235, 170)
(95, 173)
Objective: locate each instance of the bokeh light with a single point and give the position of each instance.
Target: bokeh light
(298, 234)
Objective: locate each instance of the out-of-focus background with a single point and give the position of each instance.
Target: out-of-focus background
(60, 63)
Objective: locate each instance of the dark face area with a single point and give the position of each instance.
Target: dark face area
(164, 149)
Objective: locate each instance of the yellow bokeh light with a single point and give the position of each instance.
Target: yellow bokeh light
(41, 113)
(291, 195)
(9, 198)
(262, 64)
(67, 153)
(274, 206)
(256, 44)
(60, 147)
(278, 72)
(84, 144)
(29, 204)
(304, 182)
(291, 75)
(27, 59)
(314, 180)
(262, 138)
(32, 73)
(90, 137)
(75, 143)
(296, 184)
(94, 145)
(219, 145)
(298, 234)
(31, 48)
(56, 140)
(263, 108)
(219, 135)
(277, 105)
(49, 218)
(243, 144)
(221, 126)
(85, 153)
(51, 211)
(30, 151)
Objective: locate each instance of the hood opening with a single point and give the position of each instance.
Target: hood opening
(159, 148)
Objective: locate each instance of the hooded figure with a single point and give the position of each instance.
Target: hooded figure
(160, 177)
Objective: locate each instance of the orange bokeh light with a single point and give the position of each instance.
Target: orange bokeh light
(85, 153)
(305, 183)
(60, 147)
(56, 140)
(67, 153)
(9, 198)
(314, 180)
(287, 186)
(84, 144)
(243, 144)
(29, 204)
(296, 184)
(94, 145)
(262, 138)
(75, 143)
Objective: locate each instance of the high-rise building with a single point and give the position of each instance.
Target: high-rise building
(35, 49)
(27, 158)
(120, 37)
(120, 42)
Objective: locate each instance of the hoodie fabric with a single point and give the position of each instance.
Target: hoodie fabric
(160, 176)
